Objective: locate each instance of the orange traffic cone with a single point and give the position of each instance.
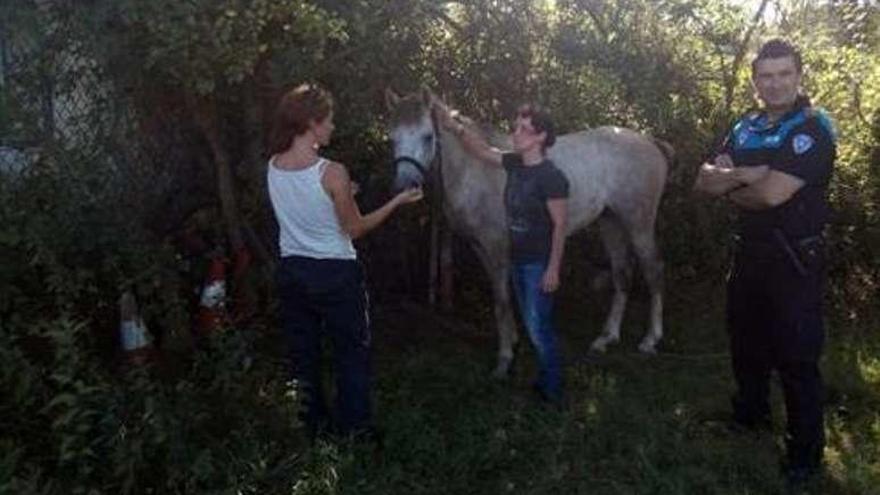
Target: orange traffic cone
(137, 343)
(212, 304)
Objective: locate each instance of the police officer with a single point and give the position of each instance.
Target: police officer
(774, 166)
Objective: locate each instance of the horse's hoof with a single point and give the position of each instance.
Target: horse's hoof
(601, 344)
(648, 347)
(598, 347)
(502, 369)
(500, 375)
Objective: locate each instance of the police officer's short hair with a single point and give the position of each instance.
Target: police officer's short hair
(778, 48)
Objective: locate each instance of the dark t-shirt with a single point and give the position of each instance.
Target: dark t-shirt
(525, 200)
(800, 144)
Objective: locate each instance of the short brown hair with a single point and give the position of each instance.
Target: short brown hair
(779, 48)
(541, 122)
(297, 109)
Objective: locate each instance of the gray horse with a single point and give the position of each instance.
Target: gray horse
(616, 176)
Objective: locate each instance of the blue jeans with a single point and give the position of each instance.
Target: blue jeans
(536, 309)
(327, 297)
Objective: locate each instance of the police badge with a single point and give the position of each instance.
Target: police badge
(801, 144)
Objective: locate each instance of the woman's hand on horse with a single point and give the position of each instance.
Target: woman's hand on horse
(409, 195)
(444, 116)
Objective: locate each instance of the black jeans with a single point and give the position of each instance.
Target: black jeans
(321, 297)
(775, 322)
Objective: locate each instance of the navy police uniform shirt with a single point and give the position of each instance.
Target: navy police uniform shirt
(800, 144)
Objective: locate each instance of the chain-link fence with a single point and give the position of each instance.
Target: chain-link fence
(56, 99)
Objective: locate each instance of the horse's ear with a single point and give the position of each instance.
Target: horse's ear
(391, 98)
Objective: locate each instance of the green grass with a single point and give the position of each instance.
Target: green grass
(630, 425)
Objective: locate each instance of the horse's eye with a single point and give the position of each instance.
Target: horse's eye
(427, 138)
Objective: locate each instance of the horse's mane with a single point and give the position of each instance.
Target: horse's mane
(487, 131)
(410, 109)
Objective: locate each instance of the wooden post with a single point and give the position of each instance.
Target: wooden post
(446, 267)
(434, 254)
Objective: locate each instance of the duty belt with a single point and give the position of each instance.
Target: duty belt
(779, 247)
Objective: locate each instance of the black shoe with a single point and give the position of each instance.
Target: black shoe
(370, 436)
(799, 478)
(749, 417)
(321, 431)
(554, 400)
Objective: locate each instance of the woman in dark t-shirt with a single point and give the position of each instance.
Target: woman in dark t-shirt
(536, 204)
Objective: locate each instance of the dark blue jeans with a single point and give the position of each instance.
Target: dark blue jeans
(536, 309)
(327, 297)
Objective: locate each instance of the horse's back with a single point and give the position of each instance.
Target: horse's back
(615, 152)
(608, 144)
(609, 167)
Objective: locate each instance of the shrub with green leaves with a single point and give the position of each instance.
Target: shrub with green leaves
(223, 422)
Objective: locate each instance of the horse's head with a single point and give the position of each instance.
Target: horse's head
(413, 135)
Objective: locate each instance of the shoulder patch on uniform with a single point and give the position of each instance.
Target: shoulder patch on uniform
(826, 122)
(802, 143)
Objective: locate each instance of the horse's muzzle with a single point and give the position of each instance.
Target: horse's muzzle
(408, 182)
(409, 173)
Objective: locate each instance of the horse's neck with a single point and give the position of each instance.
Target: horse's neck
(473, 191)
(455, 164)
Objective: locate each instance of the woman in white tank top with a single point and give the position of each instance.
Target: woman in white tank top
(320, 282)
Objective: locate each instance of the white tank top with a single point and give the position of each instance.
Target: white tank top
(306, 216)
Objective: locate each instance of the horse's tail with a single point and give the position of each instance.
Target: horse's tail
(667, 149)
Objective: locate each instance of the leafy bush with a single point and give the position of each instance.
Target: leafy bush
(224, 422)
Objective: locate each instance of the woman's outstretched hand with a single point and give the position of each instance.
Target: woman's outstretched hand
(409, 195)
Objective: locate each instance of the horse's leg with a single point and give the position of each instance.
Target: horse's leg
(645, 248)
(614, 240)
(497, 268)
(507, 336)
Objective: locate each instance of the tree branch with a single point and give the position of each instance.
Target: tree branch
(437, 11)
(332, 63)
(740, 55)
